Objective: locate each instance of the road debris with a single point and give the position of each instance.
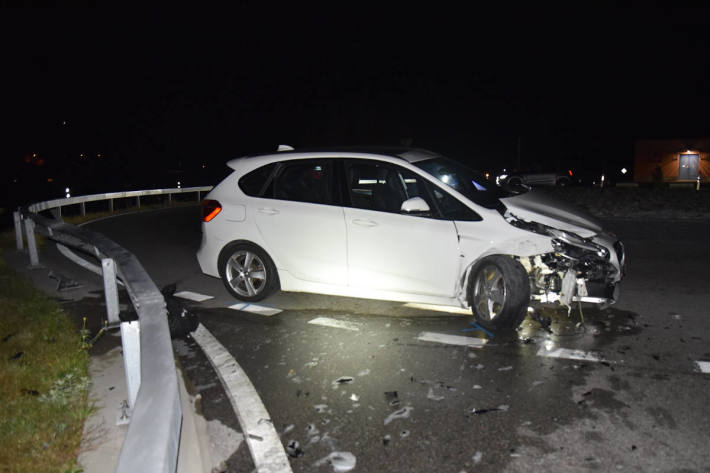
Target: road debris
(340, 461)
(400, 414)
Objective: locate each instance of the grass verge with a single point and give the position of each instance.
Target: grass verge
(43, 380)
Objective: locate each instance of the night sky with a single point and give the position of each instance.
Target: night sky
(162, 93)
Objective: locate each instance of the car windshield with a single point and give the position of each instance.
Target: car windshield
(468, 182)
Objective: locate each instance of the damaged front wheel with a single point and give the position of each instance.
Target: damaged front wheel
(499, 293)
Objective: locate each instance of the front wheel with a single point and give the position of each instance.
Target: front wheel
(499, 293)
(247, 271)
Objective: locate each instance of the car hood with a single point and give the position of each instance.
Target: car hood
(538, 207)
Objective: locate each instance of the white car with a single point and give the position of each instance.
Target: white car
(401, 224)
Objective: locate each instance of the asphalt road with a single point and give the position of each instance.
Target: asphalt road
(376, 390)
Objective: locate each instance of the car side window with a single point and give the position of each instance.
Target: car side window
(375, 185)
(307, 180)
(253, 183)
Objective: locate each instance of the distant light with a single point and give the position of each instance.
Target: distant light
(204, 166)
(67, 193)
(488, 175)
(602, 178)
(50, 179)
(98, 155)
(34, 155)
(179, 187)
(445, 178)
(624, 171)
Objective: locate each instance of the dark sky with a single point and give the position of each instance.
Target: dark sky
(152, 89)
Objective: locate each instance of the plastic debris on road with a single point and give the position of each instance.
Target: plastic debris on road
(339, 461)
(400, 414)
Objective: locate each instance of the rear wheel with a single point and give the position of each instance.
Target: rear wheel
(499, 293)
(247, 271)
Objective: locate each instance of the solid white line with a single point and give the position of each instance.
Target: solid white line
(452, 339)
(334, 323)
(703, 366)
(261, 437)
(568, 354)
(193, 296)
(255, 309)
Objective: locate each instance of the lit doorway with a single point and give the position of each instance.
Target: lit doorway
(688, 167)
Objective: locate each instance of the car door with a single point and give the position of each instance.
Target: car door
(390, 250)
(302, 222)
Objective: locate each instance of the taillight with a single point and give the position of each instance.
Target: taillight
(210, 209)
(569, 171)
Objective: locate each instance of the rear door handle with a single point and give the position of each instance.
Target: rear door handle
(268, 211)
(364, 223)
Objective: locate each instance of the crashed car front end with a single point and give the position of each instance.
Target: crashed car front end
(577, 270)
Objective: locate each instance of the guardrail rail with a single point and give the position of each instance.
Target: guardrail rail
(153, 436)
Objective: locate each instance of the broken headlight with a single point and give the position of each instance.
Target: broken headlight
(575, 247)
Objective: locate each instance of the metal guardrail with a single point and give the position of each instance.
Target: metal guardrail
(153, 436)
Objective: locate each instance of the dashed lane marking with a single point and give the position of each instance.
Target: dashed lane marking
(334, 323)
(452, 339)
(569, 354)
(261, 437)
(255, 309)
(703, 366)
(193, 296)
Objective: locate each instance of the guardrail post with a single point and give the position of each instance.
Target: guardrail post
(138, 201)
(17, 217)
(131, 341)
(108, 269)
(170, 198)
(82, 207)
(198, 196)
(110, 205)
(31, 242)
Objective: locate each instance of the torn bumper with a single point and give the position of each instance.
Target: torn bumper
(579, 270)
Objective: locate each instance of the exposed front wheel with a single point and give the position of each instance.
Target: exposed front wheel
(499, 293)
(247, 271)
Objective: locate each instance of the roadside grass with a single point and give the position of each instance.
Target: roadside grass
(43, 380)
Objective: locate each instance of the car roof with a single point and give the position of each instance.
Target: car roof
(410, 155)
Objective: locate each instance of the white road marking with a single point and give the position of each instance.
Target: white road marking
(261, 437)
(328, 322)
(255, 309)
(703, 366)
(452, 339)
(193, 296)
(568, 354)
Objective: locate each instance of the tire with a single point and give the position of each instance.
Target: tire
(499, 293)
(247, 271)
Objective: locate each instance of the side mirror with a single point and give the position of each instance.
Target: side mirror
(415, 205)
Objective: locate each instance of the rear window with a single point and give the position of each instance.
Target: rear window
(254, 182)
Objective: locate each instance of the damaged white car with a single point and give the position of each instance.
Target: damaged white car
(405, 225)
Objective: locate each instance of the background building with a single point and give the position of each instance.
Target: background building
(678, 160)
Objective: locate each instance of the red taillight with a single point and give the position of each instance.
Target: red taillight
(210, 209)
(569, 171)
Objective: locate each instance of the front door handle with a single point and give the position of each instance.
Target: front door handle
(364, 223)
